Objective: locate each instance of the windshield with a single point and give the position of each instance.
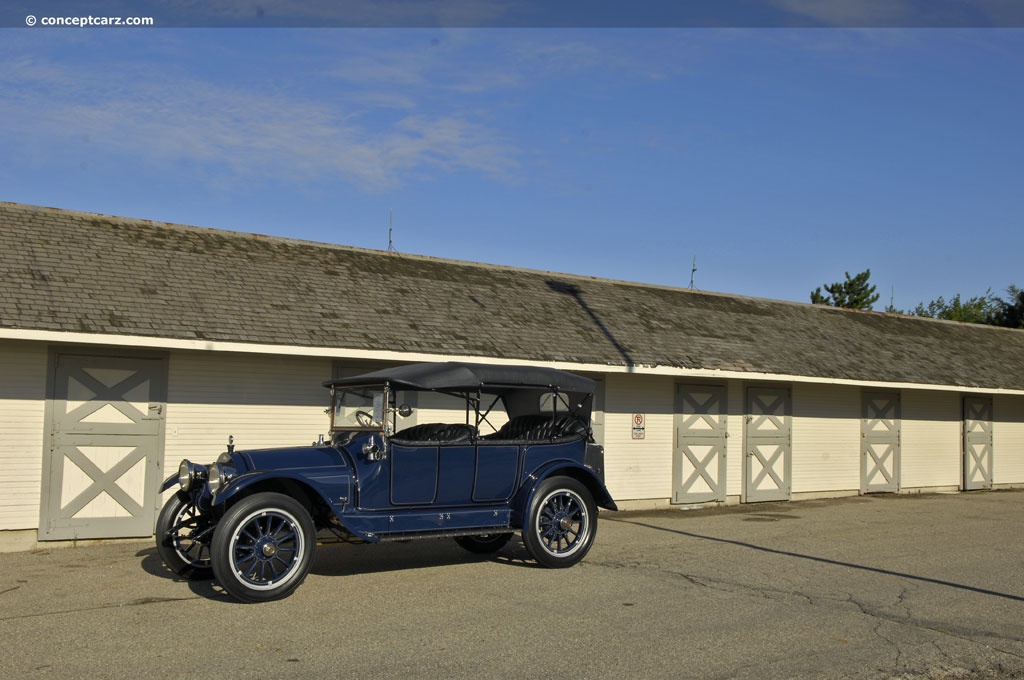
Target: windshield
(359, 408)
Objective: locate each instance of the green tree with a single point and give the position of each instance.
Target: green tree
(1010, 312)
(978, 309)
(853, 293)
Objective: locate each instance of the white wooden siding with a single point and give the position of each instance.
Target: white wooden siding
(826, 438)
(1008, 440)
(22, 429)
(277, 400)
(639, 468)
(597, 412)
(931, 447)
(432, 407)
(263, 400)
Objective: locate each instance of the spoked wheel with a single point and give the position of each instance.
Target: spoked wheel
(183, 538)
(484, 544)
(263, 547)
(561, 524)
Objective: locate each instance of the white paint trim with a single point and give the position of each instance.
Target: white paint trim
(139, 341)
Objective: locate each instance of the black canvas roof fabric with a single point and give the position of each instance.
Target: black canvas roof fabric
(453, 375)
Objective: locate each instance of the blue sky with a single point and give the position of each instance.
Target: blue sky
(779, 158)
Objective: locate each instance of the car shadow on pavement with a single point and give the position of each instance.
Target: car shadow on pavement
(347, 559)
(340, 559)
(204, 587)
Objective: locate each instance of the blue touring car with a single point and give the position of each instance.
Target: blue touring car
(251, 518)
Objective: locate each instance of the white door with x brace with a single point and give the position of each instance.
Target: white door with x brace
(977, 428)
(698, 464)
(105, 444)
(880, 442)
(768, 445)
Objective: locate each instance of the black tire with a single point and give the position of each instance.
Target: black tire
(561, 522)
(484, 544)
(183, 538)
(263, 547)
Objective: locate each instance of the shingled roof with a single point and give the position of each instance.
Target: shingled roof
(85, 273)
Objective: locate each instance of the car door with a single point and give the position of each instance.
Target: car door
(415, 472)
(497, 466)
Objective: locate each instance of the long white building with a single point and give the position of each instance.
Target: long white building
(126, 345)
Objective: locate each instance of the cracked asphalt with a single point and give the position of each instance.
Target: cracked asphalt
(909, 587)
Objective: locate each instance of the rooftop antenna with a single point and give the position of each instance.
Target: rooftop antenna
(693, 271)
(391, 243)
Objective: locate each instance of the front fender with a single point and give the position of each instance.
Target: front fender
(169, 483)
(584, 474)
(332, 488)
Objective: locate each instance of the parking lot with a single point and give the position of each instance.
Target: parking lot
(925, 586)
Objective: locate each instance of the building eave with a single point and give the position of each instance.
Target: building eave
(139, 342)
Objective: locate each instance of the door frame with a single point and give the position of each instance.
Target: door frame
(714, 437)
(892, 438)
(785, 442)
(152, 476)
(968, 457)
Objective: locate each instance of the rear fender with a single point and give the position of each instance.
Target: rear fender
(583, 474)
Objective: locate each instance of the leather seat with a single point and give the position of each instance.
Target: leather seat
(540, 428)
(440, 433)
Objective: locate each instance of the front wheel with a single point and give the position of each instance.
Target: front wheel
(263, 547)
(183, 538)
(561, 523)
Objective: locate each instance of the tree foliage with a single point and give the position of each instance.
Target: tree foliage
(856, 292)
(980, 309)
(1010, 312)
(986, 309)
(853, 293)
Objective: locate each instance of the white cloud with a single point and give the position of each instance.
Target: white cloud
(152, 116)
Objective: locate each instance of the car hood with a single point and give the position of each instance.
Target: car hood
(299, 457)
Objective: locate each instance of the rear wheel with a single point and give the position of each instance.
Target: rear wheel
(483, 544)
(561, 523)
(263, 547)
(183, 538)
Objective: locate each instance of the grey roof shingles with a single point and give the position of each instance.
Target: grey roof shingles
(69, 271)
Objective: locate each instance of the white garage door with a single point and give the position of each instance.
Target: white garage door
(698, 467)
(767, 464)
(106, 439)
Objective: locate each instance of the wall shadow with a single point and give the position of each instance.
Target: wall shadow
(826, 560)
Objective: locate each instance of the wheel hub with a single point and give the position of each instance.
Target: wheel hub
(269, 548)
(564, 524)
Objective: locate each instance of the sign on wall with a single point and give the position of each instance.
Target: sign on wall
(639, 426)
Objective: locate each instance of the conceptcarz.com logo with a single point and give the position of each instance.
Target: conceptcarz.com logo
(87, 21)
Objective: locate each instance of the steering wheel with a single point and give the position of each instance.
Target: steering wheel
(364, 418)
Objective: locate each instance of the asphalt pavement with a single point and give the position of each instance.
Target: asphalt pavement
(908, 587)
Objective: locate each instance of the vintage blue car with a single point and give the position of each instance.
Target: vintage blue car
(520, 458)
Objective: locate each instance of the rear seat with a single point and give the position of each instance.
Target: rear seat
(539, 428)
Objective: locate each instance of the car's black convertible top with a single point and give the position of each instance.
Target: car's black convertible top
(457, 376)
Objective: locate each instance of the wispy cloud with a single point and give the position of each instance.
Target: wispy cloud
(155, 115)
